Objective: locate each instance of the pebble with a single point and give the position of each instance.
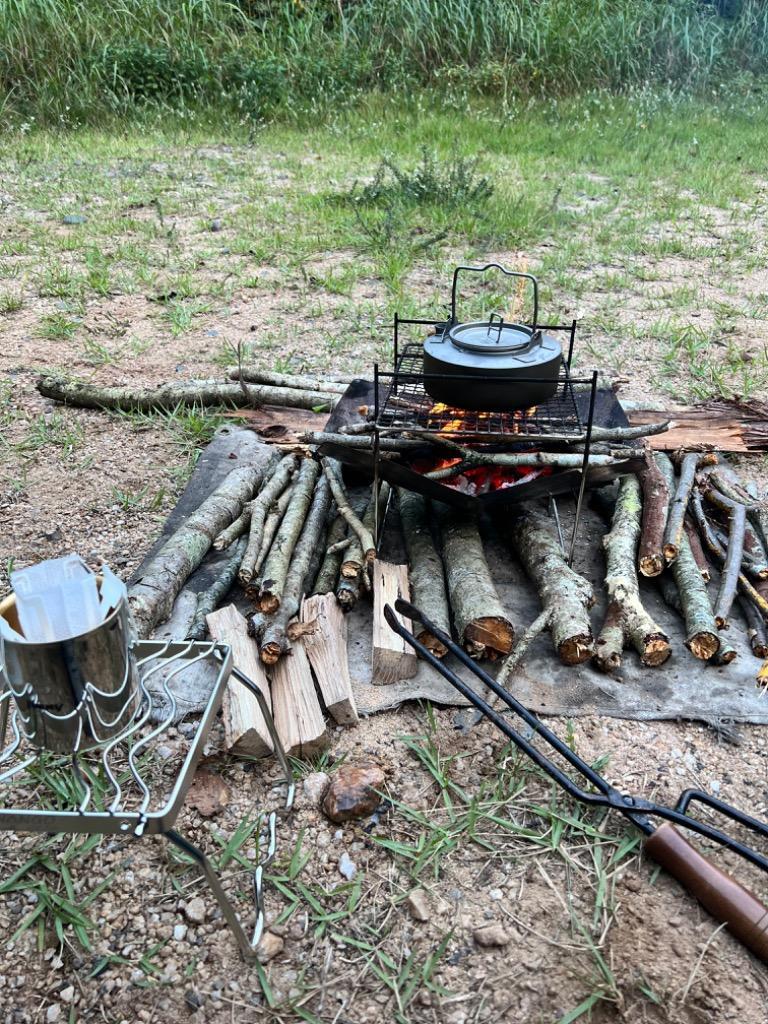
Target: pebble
(67, 994)
(495, 894)
(164, 752)
(53, 1013)
(491, 935)
(417, 905)
(315, 786)
(216, 224)
(74, 218)
(347, 867)
(179, 932)
(195, 910)
(269, 946)
(351, 792)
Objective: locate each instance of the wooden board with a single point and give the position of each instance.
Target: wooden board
(393, 659)
(298, 717)
(326, 647)
(245, 730)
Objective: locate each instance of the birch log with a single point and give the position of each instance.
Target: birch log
(151, 597)
(645, 635)
(481, 621)
(175, 394)
(565, 594)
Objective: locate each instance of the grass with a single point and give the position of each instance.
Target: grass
(68, 62)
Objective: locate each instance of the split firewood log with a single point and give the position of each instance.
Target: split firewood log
(480, 618)
(427, 578)
(175, 394)
(151, 597)
(562, 591)
(622, 587)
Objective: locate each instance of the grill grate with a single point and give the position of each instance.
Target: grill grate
(407, 406)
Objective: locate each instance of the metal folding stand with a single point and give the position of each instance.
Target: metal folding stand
(125, 802)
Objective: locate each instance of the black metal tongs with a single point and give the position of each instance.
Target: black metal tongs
(728, 901)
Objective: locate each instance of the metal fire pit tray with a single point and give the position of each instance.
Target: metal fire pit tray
(126, 801)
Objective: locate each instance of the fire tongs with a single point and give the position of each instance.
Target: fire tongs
(728, 901)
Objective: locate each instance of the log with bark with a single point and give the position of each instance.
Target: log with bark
(427, 577)
(562, 591)
(151, 597)
(606, 435)
(170, 396)
(609, 646)
(696, 549)
(272, 631)
(356, 524)
(650, 555)
(481, 621)
(729, 577)
(335, 385)
(260, 509)
(701, 629)
(328, 574)
(621, 582)
(675, 527)
(209, 600)
(268, 590)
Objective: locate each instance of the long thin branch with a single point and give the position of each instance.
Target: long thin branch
(259, 510)
(729, 579)
(673, 533)
(209, 600)
(342, 504)
(650, 555)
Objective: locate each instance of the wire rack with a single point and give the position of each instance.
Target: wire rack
(124, 786)
(407, 406)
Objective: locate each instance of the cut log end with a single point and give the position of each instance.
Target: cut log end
(651, 565)
(575, 650)
(433, 645)
(703, 645)
(490, 632)
(268, 603)
(727, 656)
(721, 622)
(350, 570)
(657, 650)
(671, 552)
(607, 660)
(270, 653)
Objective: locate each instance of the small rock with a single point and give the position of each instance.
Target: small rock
(74, 218)
(417, 905)
(495, 895)
(193, 999)
(347, 867)
(269, 946)
(209, 794)
(179, 932)
(633, 883)
(67, 994)
(351, 792)
(195, 910)
(216, 224)
(315, 786)
(53, 1013)
(491, 935)
(164, 752)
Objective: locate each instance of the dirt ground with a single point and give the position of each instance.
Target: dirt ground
(588, 928)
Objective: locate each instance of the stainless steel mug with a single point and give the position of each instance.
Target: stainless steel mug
(76, 693)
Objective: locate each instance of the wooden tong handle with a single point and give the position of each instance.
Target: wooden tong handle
(743, 914)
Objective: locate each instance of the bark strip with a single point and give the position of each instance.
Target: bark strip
(175, 394)
(566, 595)
(427, 578)
(650, 555)
(481, 621)
(151, 597)
(260, 508)
(278, 561)
(621, 582)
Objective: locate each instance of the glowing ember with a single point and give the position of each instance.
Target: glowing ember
(481, 479)
(446, 419)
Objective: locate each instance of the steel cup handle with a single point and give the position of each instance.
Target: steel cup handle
(508, 273)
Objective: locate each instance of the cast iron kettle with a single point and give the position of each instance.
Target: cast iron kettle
(491, 365)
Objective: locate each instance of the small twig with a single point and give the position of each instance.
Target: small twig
(364, 535)
(675, 522)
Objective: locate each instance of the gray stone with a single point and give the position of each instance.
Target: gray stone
(314, 787)
(491, 935)
(417, 905)
(195, 910)
(347, 867)
(179, 932)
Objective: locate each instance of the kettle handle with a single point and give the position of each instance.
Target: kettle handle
(509, 273)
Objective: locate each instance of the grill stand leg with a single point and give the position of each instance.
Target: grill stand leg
(247, 946)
